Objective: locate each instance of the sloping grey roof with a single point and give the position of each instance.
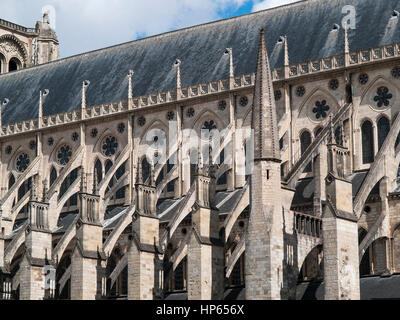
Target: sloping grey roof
(304, 192)
(64, 222)
(371, 288)
(225, 201)
(308, 25)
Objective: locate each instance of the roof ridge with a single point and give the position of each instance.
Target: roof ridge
(160, 36)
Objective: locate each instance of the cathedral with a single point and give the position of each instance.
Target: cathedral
(252, 158)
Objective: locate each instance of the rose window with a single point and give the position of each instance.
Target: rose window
(22, 162)
(171, 116)
(109, 146)
(142, 121)
(363, 78)
(64, 154)
(321, 109)
(121, 127)
(301, 91)
(383, 97)
(334, 84)
(190, 113)
(244, 101)
(222, 105)
(396, 72)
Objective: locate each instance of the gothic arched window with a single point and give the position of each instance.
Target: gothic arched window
(367, 142)
(305, 141)
(2, 63)
(383, 130)
(11, 181)
(98, 171)
(53, 176)
(109, 164)
(14, 65)
(193, 164)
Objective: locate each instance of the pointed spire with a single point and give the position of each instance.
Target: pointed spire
(264, 119)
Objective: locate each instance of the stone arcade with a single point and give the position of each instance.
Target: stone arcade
(91, 207)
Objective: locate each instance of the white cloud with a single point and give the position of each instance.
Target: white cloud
(267, 4)
(91, 24)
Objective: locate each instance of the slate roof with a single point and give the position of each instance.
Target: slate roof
(305, 188)
(371, 288)
(308, 25)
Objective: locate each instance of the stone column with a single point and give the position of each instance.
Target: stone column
(1, 248)
(38, 244)
(88, 257)
(340, 238)
(264, 242)
(205, 249)
(320, 171)
(144, 281)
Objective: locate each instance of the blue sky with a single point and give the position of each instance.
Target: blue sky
(87, 25)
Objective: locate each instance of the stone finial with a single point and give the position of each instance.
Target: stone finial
(199, 167)
(177, 65)
(46, 18)
(85, 84)
(33, 190)
(332, 130)
(152, 177)
(346, 47)
(130, 89)
(45, 199)
(346, 41)
(83, 187)
(264, 118)
(42, 96)
(94, 183)
(286, 61)
(3, 103)
(229, 51)
(286, 49)
(139, 179)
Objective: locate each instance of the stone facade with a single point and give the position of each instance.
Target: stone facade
(115, 221)
(22, 47)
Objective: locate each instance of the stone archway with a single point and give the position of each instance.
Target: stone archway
(14, 52)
